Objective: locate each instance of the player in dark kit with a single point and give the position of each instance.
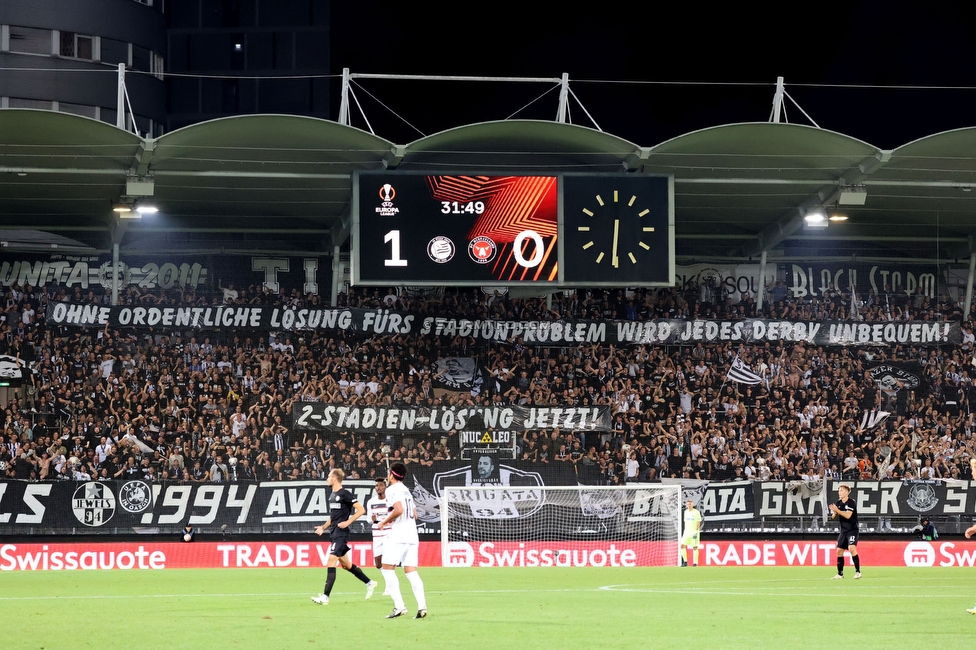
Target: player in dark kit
(343, 510)
(846, 512)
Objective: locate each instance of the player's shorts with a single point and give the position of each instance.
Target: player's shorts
(847, 540)
(404, 554)
(378, 546)
(691, 540)
(339, 546)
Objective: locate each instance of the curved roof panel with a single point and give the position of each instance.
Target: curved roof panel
(63, 140)
(760, 150)
(284, 143)
(284, 182)
(520, 144)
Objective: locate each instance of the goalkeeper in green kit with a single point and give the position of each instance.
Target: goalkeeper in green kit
(692, 533)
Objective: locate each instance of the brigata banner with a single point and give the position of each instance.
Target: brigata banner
(823, 553)
(337, 418)
(378, 321)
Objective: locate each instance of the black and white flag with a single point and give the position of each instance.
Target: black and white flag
(873, 418)
(741, 373)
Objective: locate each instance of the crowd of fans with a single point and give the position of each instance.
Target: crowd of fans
(216, 406)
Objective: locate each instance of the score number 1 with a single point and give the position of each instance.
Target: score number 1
(393, 238)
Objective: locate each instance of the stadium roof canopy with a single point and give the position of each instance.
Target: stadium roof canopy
(283, 183)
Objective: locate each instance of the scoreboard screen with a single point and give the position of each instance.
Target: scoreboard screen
(561, 230)
(455, 230)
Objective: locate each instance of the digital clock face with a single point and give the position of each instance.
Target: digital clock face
(431, 230)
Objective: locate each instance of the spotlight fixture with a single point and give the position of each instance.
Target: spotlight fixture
(147, 209)
(815, 218)
(838, 217)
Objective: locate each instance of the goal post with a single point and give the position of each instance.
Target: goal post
(634, 525)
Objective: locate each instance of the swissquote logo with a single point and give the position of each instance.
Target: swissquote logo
(460, 554)
(919, 554)
(386, 208)
(93, 504)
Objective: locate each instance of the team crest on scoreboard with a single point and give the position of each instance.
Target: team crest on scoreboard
(441, 249)
(93, 504)
(135, 497)
(482, 249)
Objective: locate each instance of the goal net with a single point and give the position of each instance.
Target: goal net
(561, 526)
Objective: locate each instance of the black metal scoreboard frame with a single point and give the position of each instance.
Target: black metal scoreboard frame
(552, 230)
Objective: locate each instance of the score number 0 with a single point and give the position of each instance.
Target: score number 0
(393, 239)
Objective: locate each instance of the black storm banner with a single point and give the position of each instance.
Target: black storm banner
(659, 331)
(868, 280)
(338, 418)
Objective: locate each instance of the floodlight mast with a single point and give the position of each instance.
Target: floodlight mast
(778, 101)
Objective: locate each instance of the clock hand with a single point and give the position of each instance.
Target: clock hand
(616, 231)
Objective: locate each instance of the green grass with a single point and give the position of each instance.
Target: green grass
(551, 608)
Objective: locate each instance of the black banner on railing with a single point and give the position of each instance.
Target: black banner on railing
(294, 506)
(150, 272)
(368, 321)
(337, 418)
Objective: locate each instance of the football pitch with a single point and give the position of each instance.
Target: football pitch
(551, 608)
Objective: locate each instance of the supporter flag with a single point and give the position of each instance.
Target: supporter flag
(13, 370)
(883, 467)
(691, 489)
(855, 306)
(810, 490)
(741, 373)
(873, 418)
(457, 375)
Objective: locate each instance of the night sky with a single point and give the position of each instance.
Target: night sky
(607, 51)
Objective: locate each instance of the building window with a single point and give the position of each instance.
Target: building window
(157, 65)
(77, 46)
(17, 102)
(28, 40)
(78, 109)
(114, 52)
(141, 59)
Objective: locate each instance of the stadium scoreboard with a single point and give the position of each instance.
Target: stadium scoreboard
(562, 230)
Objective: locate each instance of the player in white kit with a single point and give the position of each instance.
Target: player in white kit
(377, 509)
(401, 545)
